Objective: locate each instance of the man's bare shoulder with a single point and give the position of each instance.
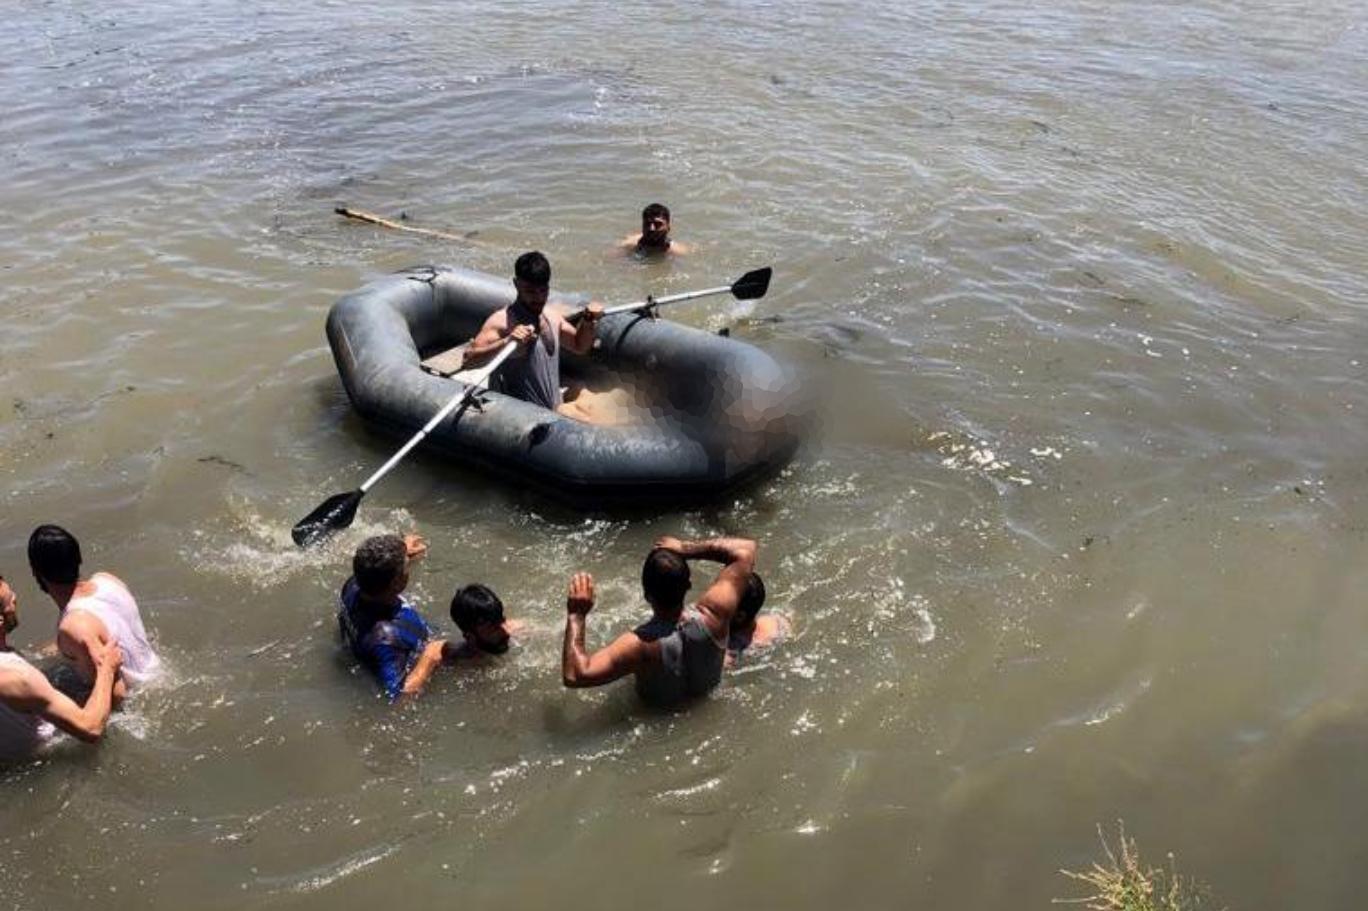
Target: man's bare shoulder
(112, 579)
(79, 625)
(496, 320)
(20, 680)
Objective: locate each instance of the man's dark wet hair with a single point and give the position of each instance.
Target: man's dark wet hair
(752, 599)
(378, 562)
(665, 577)
(54, 554)
(474, 605)
(654, 209)
(534, 269)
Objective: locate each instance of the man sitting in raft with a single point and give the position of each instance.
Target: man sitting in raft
(749, 630)
(678, 654)
(533, 374)
(94, 613)
(32, 709)
(654, 239)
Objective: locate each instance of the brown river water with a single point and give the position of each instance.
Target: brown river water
(1084, 537)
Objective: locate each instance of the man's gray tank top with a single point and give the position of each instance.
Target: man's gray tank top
(533, 373)
(690, 661)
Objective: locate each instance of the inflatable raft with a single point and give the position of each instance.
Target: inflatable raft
(716, 412)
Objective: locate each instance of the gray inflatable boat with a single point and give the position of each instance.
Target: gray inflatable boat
(717, 413)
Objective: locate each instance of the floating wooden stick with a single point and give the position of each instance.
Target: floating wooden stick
(387, 223)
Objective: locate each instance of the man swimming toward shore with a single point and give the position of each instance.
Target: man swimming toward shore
(751, 632)
(533, 373)
(654, 239)
(677, 654)
(32, 710)
(390, 638)
(94, 613)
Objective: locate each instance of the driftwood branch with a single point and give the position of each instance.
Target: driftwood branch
(387, 223)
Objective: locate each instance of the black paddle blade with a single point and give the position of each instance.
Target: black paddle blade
(333, 514)
(752, 284)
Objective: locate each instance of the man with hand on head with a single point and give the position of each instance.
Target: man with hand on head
(32, 709)
(677, 654)
(94, 614)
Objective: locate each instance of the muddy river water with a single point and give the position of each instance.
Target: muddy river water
(1084, 540)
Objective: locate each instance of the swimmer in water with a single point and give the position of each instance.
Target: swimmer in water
(32, 710)
(93, 614)
(479, 615)
(654, 239)
(677, 654)
(750, 631)
(384, 631)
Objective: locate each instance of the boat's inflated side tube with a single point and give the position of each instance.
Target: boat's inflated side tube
(722, 416)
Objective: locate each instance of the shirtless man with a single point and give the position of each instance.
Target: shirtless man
(678, 654)
(749, 630)
(32, 709)
(94, 613)
(654, 239)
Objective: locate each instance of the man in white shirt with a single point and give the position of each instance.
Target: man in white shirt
(95, 613)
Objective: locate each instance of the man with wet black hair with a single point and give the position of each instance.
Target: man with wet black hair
(32, 710)
(93, 614)
(654, 239)
(749, 630)
(479, 615)
(384, 631)
(533, 373)
(679, 653)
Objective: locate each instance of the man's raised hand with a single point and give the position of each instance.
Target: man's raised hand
(580, 599)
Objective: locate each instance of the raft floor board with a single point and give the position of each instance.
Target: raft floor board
(446, 363)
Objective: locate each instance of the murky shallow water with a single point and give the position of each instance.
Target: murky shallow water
(1087, 542)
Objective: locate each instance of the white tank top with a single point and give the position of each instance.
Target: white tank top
(20, 732)
(113, 604)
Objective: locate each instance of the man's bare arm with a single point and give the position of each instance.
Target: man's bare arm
(491, 337)
(720, 601)
(580, 338)
(578, 667)
(718, 550)
(423, 668)
(33, 693)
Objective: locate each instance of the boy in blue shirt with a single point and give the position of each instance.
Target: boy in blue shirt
(384, 631)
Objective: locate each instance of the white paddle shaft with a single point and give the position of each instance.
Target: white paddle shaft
(476, 382)
(668, 299)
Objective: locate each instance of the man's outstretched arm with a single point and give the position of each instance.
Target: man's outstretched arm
(578, 667)
(32, 693)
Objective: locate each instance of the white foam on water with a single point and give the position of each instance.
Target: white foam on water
(354, 864)
(259, 551)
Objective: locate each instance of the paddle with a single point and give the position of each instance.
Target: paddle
(338, 511)
(750, 286)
